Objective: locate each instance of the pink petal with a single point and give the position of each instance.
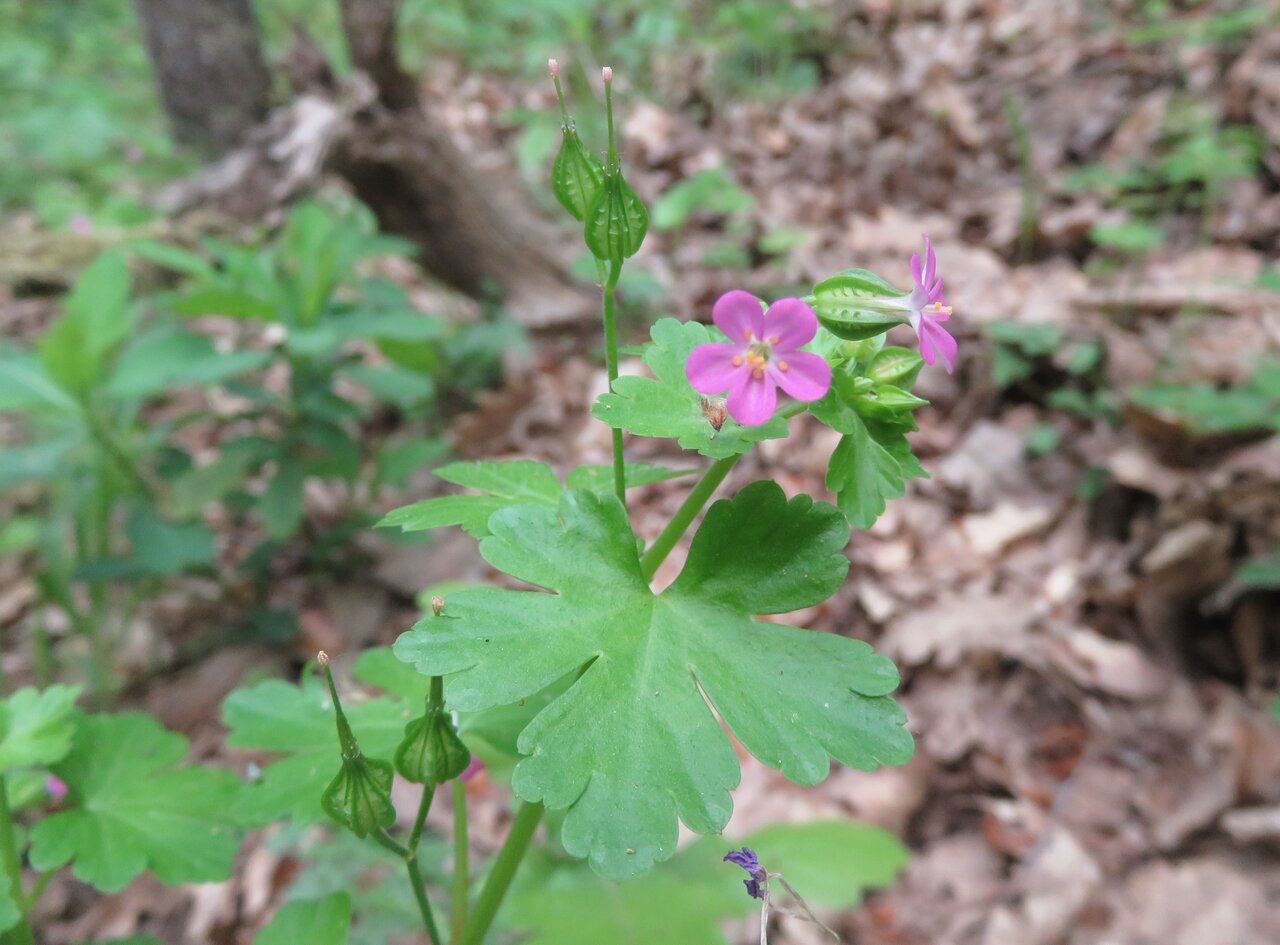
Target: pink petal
(792, 323)
(931, 260)
(935, 292)
(935, 338)
(710, 368)
(752, 400)
(807, 377)
(739, 316)
(915, 270)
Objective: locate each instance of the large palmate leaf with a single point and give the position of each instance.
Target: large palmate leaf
(506, 483)
(131, 807)
(632, 744)
(309, 922)
(666, 406)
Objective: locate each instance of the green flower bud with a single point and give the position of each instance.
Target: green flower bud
(431, 752)
(576, 176)
(617, 221)
(896, 366)
(359, 796)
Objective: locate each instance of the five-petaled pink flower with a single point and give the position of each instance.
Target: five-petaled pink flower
(762, 354)
(928, 309)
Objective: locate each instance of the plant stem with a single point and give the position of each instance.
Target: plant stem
(461, 868)
(688, 511)
(500, 876)
(410, 856)
(694, 501)
(420, 894)
(611, 368)
(385, 840)
(21, 933)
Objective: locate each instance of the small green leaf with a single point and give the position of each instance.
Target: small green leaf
(616, 221)
(167, 356)
(162, 547)
(512, 482)
(26, 385)
(132, 808)
(829, 862)
(96, 318)
(36, 727)
(232, 303)
(309, 922)
(1133, 236)
(666, 406)
(394, 384)
(632, 744)
(282, 502)
(863, 474)
(576, 176)
(10, 914)
(710, 191)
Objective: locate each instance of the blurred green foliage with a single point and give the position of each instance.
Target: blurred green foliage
(104, 408)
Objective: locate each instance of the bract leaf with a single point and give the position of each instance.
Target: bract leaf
(132, 807)
(666, 406)
(36, 727)
(632, 745)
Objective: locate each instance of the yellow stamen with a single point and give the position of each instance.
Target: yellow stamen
(783, 366)
(757, 374)
(737, 360)
(746, 334)
(773, 339)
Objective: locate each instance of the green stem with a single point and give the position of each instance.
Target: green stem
(385, 840)
(420, 894)
(500, 876)
(461, 867)
(693, 503)
(38, 889)
(21, 933)
(611, 368)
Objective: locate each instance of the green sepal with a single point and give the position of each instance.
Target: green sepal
(359, 796)
(844, 304)
(616, 222)
(431, 752)
(576, 176)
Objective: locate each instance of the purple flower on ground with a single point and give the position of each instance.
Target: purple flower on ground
(746, 858)
(762, 354)
(928, 309)
(55, 787)
(474, 768)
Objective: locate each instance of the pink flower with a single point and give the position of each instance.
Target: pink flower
(81, 224)
(55, 787)
(928, 309)
(473, 769)
(763, 354)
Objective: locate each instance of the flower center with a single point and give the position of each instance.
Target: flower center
(758, 353)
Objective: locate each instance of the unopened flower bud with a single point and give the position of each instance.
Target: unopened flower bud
(553, 67)
(437, 606)
(323, 658)
(716, 410)
(607, 74)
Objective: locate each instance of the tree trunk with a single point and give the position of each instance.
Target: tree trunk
(475, 233)
(208, 67)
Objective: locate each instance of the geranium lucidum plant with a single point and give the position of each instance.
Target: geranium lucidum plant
(626, 690)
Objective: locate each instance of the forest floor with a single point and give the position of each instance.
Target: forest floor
(1089, 685)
